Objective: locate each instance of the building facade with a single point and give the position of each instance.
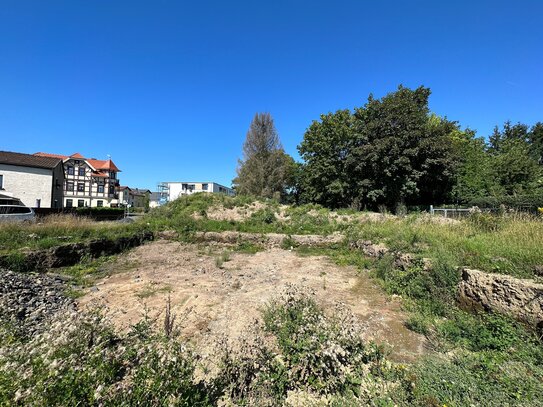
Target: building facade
(36, 181)
(88, 182)
(135, 197)
(173, 190)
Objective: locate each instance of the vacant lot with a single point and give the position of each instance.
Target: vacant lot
(217, 293)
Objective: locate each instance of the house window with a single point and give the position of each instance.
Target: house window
(112, 175)
(111, 189)
(204, 187)
(69, 186)
(69, 203)
(80, 203)
(100, 188)
(80, 187)
(1, 182)
(70, 170)
(82, 171)
(99, 203)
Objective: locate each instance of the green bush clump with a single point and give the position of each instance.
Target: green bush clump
(264, 215)
(486, 222)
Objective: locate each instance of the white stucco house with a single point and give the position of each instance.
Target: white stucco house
(168, 191)
(36, 181)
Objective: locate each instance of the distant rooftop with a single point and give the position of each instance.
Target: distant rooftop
(28, 160)
(106, 165)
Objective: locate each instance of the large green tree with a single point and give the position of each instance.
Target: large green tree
(389, 151)
(475, 174)
(265, 170)
(327, 144)
(517, 152)
(404, 154)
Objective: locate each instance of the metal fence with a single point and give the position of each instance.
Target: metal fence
(457, 212)
(450, 212)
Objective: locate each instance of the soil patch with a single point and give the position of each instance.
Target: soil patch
(215, 295)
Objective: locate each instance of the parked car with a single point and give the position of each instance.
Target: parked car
(12, 209)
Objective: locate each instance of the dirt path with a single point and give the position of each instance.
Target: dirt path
(212, 299)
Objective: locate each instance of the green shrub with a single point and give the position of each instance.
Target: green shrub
(263, 216)
(311, 352)
(486, 222)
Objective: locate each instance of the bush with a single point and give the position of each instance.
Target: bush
(486, 222)
(313, 352)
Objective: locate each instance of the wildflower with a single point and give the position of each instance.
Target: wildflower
(97, 392)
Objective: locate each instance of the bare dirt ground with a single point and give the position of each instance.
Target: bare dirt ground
(213, 298)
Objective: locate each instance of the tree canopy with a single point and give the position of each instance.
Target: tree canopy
(394, 150)
(265, 170)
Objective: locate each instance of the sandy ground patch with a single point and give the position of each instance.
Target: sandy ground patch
(213, 300)
(236, 214)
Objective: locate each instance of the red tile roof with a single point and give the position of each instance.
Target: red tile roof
(40, 154)
(96, 164)
(103, 165)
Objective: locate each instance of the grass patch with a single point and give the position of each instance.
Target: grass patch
(153, 289)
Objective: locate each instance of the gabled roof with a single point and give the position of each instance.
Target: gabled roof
(106, 165)
(103, 165)
(28, 160)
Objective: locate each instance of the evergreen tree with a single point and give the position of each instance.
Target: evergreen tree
(265, 170)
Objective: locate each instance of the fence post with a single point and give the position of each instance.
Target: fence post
(431, 209)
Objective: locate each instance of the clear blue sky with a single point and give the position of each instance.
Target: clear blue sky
(168, 88)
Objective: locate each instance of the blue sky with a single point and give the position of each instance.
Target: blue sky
(168, 88)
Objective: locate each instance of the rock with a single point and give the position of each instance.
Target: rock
(370, 249)
(168, 235)
(520, 299)
(28, 300)
(538, 271)
(404, 260)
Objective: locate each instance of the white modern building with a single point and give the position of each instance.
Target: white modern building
(168, 191)
(36, 181)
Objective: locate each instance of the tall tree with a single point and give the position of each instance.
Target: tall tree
(402, 153)
(475, 174)
(325, 148)
(265, 170)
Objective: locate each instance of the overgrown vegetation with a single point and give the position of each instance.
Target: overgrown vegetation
(54, 230)
(301, 353)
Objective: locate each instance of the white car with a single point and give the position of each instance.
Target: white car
(12, 209)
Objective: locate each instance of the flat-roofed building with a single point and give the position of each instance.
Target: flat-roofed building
(173, 190)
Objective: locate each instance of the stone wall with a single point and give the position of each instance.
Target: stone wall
(520, 299)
